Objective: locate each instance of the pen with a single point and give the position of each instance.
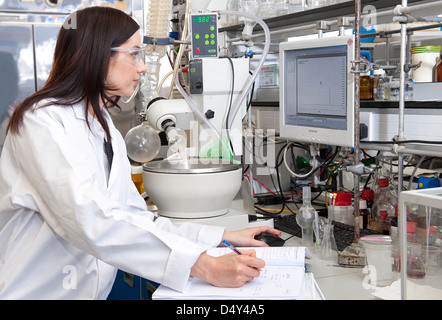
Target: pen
(232, 247)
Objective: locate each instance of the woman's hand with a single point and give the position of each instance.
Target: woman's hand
(230, 270)
(246, 237)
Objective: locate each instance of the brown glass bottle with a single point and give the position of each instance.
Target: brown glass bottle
(366, 88)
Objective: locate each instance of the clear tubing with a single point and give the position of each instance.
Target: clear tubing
(261, 61)
(181, 50)
(192, 104)
(195, 109)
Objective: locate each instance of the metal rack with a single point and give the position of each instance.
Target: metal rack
(313, 21)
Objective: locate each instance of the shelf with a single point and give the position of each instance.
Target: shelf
(322, 13)
(395, 104)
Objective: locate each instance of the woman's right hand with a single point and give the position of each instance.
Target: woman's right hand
(230, 270)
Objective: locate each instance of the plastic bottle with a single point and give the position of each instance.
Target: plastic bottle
(384, 201)
(305, 217)
(343, 209)
(425, 55)
(378, 85)
(364, 214)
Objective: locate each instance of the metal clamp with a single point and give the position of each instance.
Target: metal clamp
(365, 64)
(158, 41)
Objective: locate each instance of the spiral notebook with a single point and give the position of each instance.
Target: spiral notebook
(284, 277)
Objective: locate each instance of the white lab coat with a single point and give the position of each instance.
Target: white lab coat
(66, 225)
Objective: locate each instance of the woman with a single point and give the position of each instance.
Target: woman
(69, 215)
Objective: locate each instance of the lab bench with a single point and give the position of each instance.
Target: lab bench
(336, 282)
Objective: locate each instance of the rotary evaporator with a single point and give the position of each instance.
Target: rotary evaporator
(201, 174)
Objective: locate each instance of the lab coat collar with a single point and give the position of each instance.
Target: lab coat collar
(80, 114)
(79, 110)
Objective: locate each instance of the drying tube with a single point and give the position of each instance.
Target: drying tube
(261, 61)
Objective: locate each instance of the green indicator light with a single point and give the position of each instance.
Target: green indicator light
(192, 70)
(197, 36)
(206, 36)
(212, 28)
(212, 36)
(211, 51)
(207, 42)
(212, 42)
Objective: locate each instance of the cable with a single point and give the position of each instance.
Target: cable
(293, 173)
(230, 104)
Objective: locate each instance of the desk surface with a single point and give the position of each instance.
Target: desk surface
(335, 282)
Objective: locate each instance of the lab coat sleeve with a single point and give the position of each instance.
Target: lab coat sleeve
(62, 188)
(207, 236)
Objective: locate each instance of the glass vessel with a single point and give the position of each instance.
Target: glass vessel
(305, 216)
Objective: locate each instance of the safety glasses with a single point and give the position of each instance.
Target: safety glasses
(136, 53)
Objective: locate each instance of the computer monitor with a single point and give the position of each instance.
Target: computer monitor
(317, 91)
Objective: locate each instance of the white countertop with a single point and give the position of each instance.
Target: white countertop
(336, 282)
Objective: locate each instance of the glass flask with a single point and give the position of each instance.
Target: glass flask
(142, 143)
(305, 216)
(328, 249)
(415, 264)
(318, 227)
(250, 7)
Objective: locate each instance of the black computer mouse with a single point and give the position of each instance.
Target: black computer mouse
(270, 239)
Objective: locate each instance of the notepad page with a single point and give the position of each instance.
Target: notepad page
(273, 283)
(273, 256)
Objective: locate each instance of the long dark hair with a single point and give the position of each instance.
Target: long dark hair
(81, 62)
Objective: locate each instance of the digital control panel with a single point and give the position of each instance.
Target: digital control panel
(204, 35)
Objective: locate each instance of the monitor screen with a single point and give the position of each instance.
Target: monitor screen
(317, 90)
